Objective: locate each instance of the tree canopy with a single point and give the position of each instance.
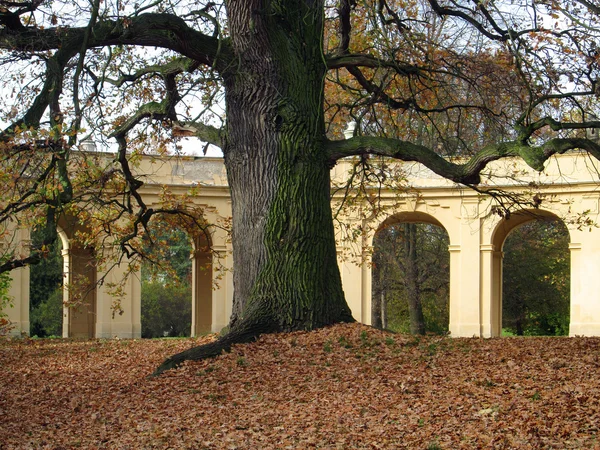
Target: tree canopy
(273, 83)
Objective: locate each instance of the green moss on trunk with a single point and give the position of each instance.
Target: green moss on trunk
(286, 275)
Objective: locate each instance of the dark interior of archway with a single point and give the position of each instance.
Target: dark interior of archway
(536, 279)
(166, 295)
(46, 291)
(411, 278)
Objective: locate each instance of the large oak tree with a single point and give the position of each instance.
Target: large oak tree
(290, 74)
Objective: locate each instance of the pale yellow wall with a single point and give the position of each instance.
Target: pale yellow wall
(569, 186)
(18, 311)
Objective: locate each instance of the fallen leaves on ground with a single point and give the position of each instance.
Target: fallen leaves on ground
(342, 387)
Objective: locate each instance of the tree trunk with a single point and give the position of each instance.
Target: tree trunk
(413, 289)
(377, 291)
(521, 318)
(376, 300)
(384, 311)
(285, 275)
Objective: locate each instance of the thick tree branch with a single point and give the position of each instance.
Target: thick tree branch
(345, 26)
(174, 67)
(360, 60)
(206, 133)
(467, 173)
(595, 8)
(556, 125)
(152, 29)
(164, 110)
(499, 35)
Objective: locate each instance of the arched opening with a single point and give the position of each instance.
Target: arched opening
(166, 293)
(203, 289)
(46, 290)
(410, 273)
(534, 276)
(176, 295)
(79, 281)
(63, 287)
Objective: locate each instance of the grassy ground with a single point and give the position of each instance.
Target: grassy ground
(345, 387)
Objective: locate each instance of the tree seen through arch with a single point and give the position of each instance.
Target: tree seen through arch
(536, 279)
(46, 290)
(411, 278)
(167, 284)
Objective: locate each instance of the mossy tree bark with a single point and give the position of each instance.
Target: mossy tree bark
(286, 275)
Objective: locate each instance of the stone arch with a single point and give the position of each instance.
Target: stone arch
(507, 225)
(202, 288)
(409, 217)
(79, 283)
(401, 217)
(499, 235)
(64, 239)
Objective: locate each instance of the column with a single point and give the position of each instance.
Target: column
(585, 270)
(465, 308)
(491, 291)
(585, 284)
(118, 302)
(355, 271)
(202, 292)
(222, 285)
(16, 305)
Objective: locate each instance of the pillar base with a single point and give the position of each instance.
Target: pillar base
(465, 330)
(584, 329)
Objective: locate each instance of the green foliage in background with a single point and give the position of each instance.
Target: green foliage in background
(166, 285)
(412, 263)
(45, 289)
(536, 280)
(47, 317)
(166, 310)
(168, 253)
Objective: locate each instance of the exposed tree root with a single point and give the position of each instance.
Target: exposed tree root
(241, 334)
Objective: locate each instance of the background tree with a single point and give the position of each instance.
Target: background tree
(166, 310)
(126, 73)
(46, 289)
(536, 274)
(166, 284)
(411, 278)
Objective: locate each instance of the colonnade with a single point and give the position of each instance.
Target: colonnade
(567, 189)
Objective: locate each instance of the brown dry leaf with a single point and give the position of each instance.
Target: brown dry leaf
(346, 386)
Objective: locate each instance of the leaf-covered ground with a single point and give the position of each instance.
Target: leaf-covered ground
(345, 387)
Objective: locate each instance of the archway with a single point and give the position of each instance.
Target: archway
(410, 272)
(177, 289)
(63, 288)
(46, 290)
(531, 277)
(79, 282)
(202, 279)
(166, 291)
